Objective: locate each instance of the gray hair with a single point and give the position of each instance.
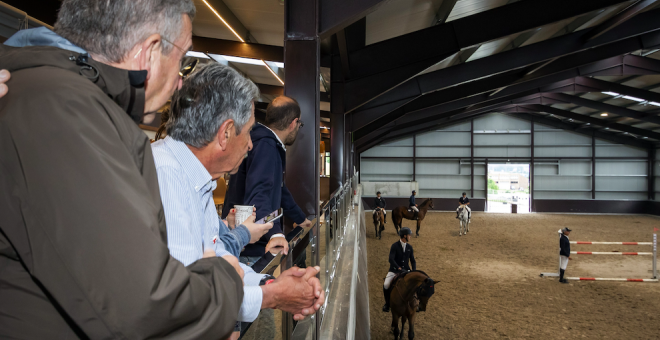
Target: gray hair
(111, 28)
(210, 96)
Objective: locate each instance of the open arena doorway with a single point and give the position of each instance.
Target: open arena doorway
(508, 188)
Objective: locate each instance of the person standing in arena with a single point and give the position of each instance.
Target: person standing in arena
(564, 252)
(401, 253)
(379, 203)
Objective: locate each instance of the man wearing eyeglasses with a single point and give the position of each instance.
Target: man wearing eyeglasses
(83, 239)
(260, 178)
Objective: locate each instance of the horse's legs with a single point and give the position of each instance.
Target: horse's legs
(411, 326)
(419, 224)
(403, 326)
(395, 325)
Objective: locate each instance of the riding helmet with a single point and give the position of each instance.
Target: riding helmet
(464, 194)
(414, 191)
(405, 231)
(378, 193)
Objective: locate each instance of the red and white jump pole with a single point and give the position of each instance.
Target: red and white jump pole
(610, 279)
(654, 254)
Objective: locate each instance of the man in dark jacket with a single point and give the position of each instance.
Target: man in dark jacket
(83, 242)
(564, 252)
(379, 203)
(260, 178)
(401, 252)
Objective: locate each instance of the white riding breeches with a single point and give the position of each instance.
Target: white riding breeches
(563, 262)
(414, 208)
(383, 210)
(388, 280)
(467, 207)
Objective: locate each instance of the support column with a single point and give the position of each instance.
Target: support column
(414, 161)
(532, 207)
(651, 175)
(472, 159)
(301, 81)
(593, 167)
(486, 175)
(338, 155)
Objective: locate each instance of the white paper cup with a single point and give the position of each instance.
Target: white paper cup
(243, 212)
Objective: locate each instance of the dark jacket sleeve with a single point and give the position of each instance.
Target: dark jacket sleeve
(262, 164)
(412, 200)
(565, 246)
(413, 264)
(291, 209)
(392, 259)
(384, 203)
(93, 234)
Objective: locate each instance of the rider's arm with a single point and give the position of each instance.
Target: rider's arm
(413, 264)
(392, 257)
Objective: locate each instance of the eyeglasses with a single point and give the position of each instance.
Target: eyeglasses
(301, 123)
(188, 64)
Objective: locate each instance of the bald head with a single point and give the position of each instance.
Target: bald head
(281, 112)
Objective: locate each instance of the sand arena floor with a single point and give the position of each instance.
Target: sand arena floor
(490, 285)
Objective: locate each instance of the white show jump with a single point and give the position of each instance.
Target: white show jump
(654, 244)
(623, 243)
(610, 279)
(609, 253)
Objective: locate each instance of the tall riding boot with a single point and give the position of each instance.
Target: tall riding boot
(561, 276)
(457, 215)
(416, 216)
(386, 307)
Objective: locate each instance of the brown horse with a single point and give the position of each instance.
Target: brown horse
(410, 294)
(399, 213)
(379, 221)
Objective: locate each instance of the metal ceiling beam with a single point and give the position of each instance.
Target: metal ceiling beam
(443, 12)
(335, 15)
(618, 110)
(426, 47)
(578, 64)
(270, 89)
(524, 57)
(601, 85)
(587, 119)
(585, 131)
(343, 55)
(620, 18)
(238, 49)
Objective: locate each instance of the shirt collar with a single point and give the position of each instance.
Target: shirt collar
(403, 244)
(276, 136)
(193, 168)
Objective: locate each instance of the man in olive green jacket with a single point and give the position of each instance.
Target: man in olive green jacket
(83, 248)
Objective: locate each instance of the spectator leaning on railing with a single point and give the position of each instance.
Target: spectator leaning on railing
(208, 135)
(83, 243)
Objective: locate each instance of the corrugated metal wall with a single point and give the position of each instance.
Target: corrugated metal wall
(441, 161)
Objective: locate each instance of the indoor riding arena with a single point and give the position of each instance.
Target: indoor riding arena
(510, 147)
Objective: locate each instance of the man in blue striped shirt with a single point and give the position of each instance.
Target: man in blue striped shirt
(208, 136)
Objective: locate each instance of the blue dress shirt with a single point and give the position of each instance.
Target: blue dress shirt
(186, 190)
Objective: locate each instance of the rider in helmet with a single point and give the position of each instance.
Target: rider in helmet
(466, 201)
(413, 205)
(379, 203)
(400, 253)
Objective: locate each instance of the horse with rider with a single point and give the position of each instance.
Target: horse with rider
(407, 291)
(379, 214)
(412, 212)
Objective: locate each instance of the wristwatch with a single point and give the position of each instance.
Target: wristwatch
(267, 279)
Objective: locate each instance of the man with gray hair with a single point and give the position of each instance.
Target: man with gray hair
(208, 136)
(83, 241)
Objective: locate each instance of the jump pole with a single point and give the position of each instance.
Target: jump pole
(610, 253)
(655, 256)
(610, 279)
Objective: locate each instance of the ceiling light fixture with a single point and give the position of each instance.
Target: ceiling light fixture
(223, 20)
(633, 98)
(196, 55)
(654, 103)
(610, 93)
(243, 60)
(273, 72)
(604, 114)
